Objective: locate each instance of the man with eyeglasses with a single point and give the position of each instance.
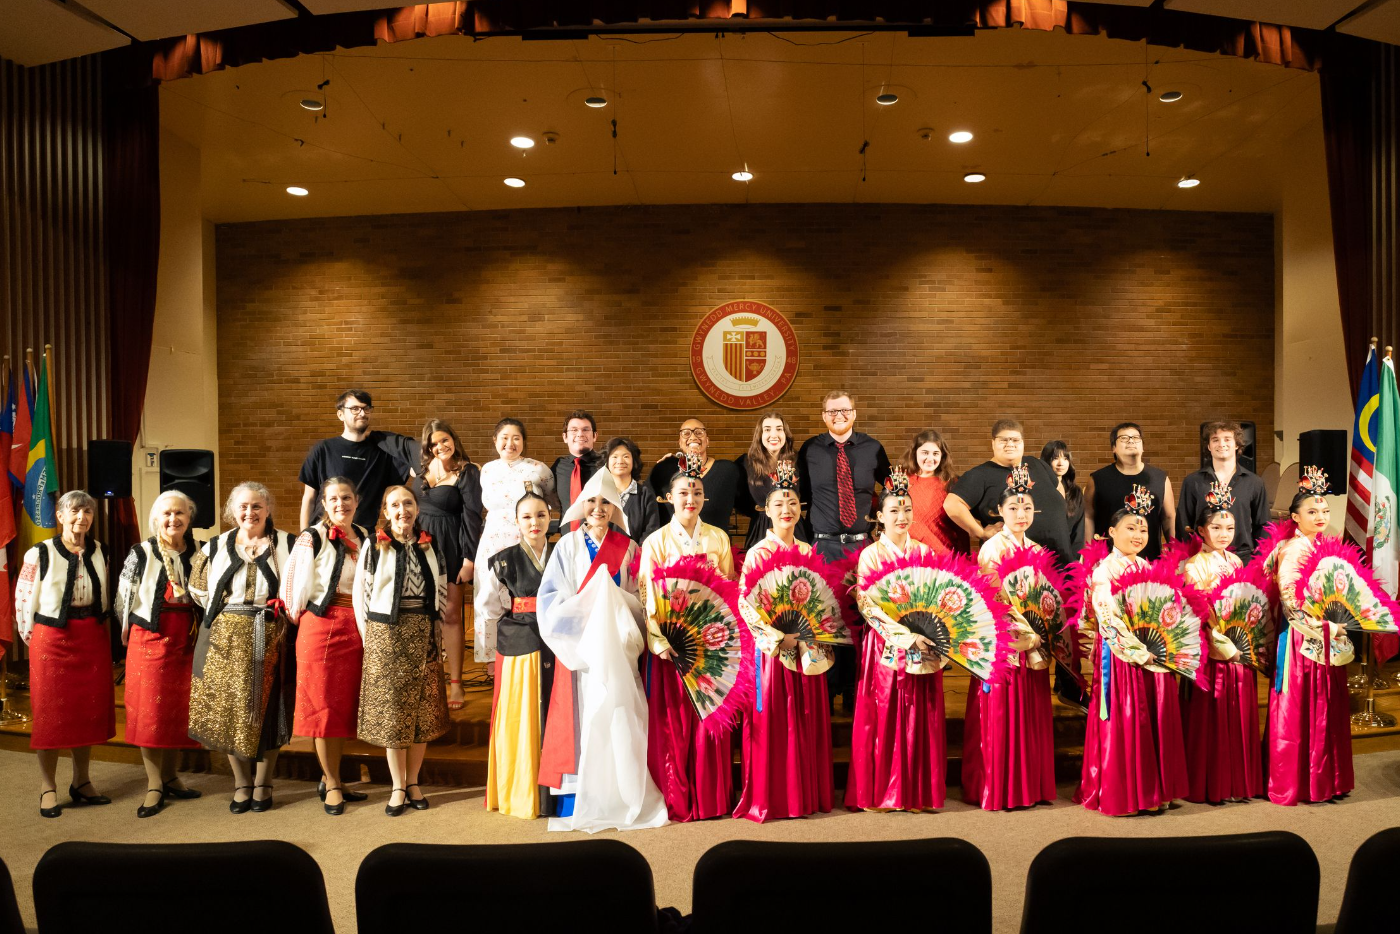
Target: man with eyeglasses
(373, 460)
(1110, 486)
(573, 471)
(721, 479)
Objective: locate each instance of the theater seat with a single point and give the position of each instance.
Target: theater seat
(1368, 906)
(578, 885)
(899, 885)
(9, 907)
(176, 888)
(1167, 885)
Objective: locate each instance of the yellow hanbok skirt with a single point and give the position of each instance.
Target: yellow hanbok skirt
(513, 760)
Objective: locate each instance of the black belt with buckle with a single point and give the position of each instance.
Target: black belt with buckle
(843, 538)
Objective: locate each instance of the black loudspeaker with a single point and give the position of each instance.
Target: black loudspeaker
(1247, 455)
(109, 469)
(191, 472)
(1325, 448)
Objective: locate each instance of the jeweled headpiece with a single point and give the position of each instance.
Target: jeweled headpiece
(1314, 481)
(1140, 501)
(785, 477)
(1219, 498)
(691, 465)
(898, 483)
(1020, 482)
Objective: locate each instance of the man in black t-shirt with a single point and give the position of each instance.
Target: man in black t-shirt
(373, 460)
(1109, 487)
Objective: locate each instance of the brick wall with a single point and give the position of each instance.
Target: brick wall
(935, 316)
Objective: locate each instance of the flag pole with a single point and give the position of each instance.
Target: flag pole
(1369, 717)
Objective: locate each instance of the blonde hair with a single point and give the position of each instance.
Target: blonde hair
(250, 486)
(153, 520)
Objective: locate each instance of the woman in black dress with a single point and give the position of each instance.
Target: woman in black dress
(1056, 454)
(772, 443)
(448, 487)
(623, 460)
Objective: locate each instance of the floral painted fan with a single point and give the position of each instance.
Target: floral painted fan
(1166, 616)
(1333, 585)
(948, 600)
(1241, 607)
(799, 593)
(1033, 586)
(697, 611)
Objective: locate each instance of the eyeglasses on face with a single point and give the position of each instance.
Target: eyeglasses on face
(694, 433)
(1009, 442)
(1131, 439)
(356, 409)
(846, 412)
(579, 432)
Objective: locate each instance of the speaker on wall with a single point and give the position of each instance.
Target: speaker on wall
(1325, 448)
(109, 468)
(1247, 454)
(191, 471)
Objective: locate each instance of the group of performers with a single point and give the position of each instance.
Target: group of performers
(628, 667)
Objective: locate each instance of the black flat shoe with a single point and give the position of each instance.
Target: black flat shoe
(184, 794)
(154, 809)
(54, 811)
(335, 810)
(81, 799)
(418, 804)
(394, 810)
(347, 795)
(240, 807)
(262, 804)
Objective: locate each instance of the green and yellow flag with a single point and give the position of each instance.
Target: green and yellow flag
(37, 518)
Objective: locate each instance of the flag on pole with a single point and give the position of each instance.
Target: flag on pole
(1385, 549)
(24, 419)
(7, 505)
(37, 519)
(1363, 453)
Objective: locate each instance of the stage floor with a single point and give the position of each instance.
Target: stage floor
(1010, 840)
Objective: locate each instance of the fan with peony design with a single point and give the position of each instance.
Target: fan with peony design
(1033, 587)
(948, 600)
(1333, 585)
(1166, 616)
(1241, 607)
(799, 593)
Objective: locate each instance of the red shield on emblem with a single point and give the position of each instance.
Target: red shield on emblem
(734, 345)
(755, 354)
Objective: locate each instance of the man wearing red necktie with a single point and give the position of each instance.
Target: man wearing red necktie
(573, 471)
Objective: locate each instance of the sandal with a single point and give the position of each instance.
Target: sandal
(452, 704)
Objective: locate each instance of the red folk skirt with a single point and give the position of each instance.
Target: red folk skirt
(157, 695)
(1009, 741)
(330, 657)
(787, 746)
(70, 685)
(691, 765)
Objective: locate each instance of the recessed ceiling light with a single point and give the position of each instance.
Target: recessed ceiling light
(889, 97)
(974, 177)
(743, 176)
(595, 101)
(961, 136)
(298, 191)
(515, 182)
(1170, 97)
(1188, 183)
(522, 142)
(311, 103)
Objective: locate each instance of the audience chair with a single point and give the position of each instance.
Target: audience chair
(576, 885)
(9, 905)
(910, 885)
(1166, 885)
(1368, 906)
(212, 888)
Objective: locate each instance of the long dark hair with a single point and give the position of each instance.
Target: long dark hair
(910, 460)
(1074, 496)
(760, 463)
(425, 446)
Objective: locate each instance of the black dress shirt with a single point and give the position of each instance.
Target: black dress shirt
(816, 469)
(1251, 509)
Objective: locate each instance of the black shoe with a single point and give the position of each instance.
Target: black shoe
(54, 811)
(80, 799)
(184, 794)
(394, 810)
(154, 809)
(347, 795)
(418, 804)
(335, 810)
(240, 807)
(262, 804)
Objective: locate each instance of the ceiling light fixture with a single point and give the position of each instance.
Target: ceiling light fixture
(311, 103)
(522, 142)
(743, 176)
(889, 97)
(298, 191)
(1170, 97)
(974, 177)
(514, 182)
(595, 101)
(960, 136)
(1188, 183)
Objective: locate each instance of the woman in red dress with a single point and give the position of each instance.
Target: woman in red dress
(158, 620)
(930, 477)
(61, 609)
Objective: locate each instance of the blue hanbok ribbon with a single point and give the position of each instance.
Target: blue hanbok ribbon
(1281, 667)
(758, 678)
(1105, 667)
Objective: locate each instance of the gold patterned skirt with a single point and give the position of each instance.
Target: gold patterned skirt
(403, 693)
(236, 706)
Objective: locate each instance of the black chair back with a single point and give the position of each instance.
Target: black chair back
(577, 885)
(744, 885)
(1368, 906)
(1155, 885)
(9, 905)
(228, 888)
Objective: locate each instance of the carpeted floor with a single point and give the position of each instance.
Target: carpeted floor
(1010, 841)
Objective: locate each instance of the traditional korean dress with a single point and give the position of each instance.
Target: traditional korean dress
(159, 620)
(595, 743)
(318, 589)
(787, 733)
(61, 606)
(1309, 733)
(524, 678)
(1134, 754)
(1008, 732)
(899, 747)
(242, 682)
(399, 591)
(1222, 720)
(502, 484)
(693, 766)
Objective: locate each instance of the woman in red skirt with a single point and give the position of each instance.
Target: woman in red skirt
(158, 622)
(61, 608)
(316, 588)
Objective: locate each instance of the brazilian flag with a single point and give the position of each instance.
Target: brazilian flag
(37, 517)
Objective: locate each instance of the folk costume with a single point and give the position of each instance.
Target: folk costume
(318, 590)
(595, 736)
(159, 620)
(242, 680)
(61, 607)
(692, 766)
(399, 591)
(503, 482)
